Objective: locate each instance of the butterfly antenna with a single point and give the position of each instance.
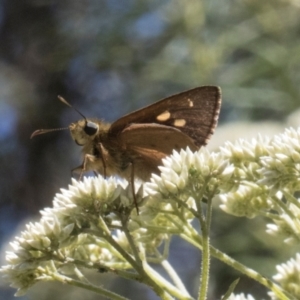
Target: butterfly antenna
(42, 131)
(63, 100)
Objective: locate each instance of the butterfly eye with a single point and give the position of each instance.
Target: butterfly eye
(90, 128)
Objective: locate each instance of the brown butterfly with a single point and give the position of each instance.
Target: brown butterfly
(134, 145)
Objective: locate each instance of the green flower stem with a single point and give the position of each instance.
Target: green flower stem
(157, 257)
(112, 242)
(113, 269)
(179, 225)
(138, 259)
(183, 204)
(136, 264)
(192, 236)
(269, 215)
(175, 292)
(283, 206)
(130, 241)
(283, 295)
(166, 248)
(173, 275)
(230, 289)
(291, 198)
(191, 240)
(161, 229)
(204, 277)
(80, 276)
(90, 287)
(159, 286)
(206, 252)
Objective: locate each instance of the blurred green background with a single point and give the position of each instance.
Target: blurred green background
(109, 57)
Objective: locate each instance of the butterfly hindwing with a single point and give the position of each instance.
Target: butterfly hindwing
(156, 137)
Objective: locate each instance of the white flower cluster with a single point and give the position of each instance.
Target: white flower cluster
(88, 218)
(281, 166)
(280, 172)
(70, 231)
(266, 176)
(288, 277)
(246, 197)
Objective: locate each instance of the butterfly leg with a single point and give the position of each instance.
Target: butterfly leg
(77, 170)
(83, 167)
(96, 163)
(133, 189)
(103, 156)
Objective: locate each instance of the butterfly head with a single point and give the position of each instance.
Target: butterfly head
(84, 131)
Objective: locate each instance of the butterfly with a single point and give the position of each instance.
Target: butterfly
(134, 145)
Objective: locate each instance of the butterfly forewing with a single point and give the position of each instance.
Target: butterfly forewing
(194, 112)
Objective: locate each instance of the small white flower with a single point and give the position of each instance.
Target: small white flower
(185, 169)
(241, 297)
(288, 277)
(288, 226)
(246, 201)
(281, 168)
(243, 150)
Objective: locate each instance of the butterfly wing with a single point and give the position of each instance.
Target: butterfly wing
(155, 137)
(194, 113)
(148, 144)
